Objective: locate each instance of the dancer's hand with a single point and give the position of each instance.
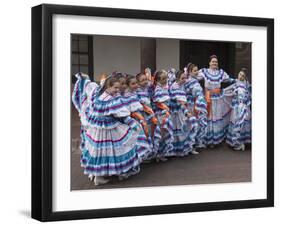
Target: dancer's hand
(189, 114)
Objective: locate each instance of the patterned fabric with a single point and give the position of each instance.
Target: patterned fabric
(218, 118)
(161, 100)
(132, 101)
(239, 131)
(198, 106)
(83, 91)
(144, 141)
(144, 96)
(110, 143)
(184, 128)
(171, 76)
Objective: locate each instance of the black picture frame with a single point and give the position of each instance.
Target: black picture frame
(42, 111)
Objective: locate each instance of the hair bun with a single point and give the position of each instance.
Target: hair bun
(245, 70)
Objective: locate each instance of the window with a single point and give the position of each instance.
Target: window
(82, 55)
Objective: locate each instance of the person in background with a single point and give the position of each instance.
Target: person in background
(144, 141)
(196, 103)
(161, 99)
(184, 123)
(144, 92)
(239, 130)
(218, 110)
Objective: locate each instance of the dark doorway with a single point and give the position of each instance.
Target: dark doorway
(198, 52)
(232, 56)
(148, 53)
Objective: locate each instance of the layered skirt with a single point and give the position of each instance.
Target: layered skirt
(110, 148)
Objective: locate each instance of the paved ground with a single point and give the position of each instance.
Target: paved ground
(218, 165)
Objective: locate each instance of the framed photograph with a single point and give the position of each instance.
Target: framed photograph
(145, 112)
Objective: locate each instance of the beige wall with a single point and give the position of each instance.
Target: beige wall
(123, 54)
(167, 53)
(116, 54)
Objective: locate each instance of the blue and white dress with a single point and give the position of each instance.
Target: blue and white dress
(184, 128)
(83, 92)
(145, 149)
(218, 109)
(110, 142)
(239, 130)
(161, 96)
(198, 107)
(144, 97)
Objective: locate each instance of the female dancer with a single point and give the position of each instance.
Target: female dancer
(184, 124)
(111, 144)
(161, 98)
(144, 92)
(239, 130)
(144, 140)
(218, 110)
(196, 103)
(82, 95)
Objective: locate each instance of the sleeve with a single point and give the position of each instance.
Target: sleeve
(119, 109)
(197, 90)
(177, 94)
(242, 107)
(78, 94)
(226, 78)
(200, 75)
(134, 104)
(91, 88)
(160, 96)
(229, 91)
(112, 107)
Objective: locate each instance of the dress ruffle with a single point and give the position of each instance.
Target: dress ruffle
(161, 94)
(239, 129)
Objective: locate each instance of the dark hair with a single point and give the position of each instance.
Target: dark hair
(118, 75)
(158, 74)
(190, 67)
(212, 56)
(109, 82)
(245, 70)
(129, 78)
(179, 73)
(139, 75)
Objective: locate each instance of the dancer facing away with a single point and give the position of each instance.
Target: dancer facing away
(184, 124)
(239, 130)
(110, 144)
(218, 110)
(196, 103)
(161, 98)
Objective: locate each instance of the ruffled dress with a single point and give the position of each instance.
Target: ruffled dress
(161, 101)
(239, 130)
(110, 138)
(154, 132)
(198, 107)
(83, 92)
(218, 109)
(184, 128)
(144, 141)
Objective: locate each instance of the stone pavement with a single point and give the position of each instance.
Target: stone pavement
(218, 165)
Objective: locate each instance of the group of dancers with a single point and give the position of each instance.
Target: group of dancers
(130, 119)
